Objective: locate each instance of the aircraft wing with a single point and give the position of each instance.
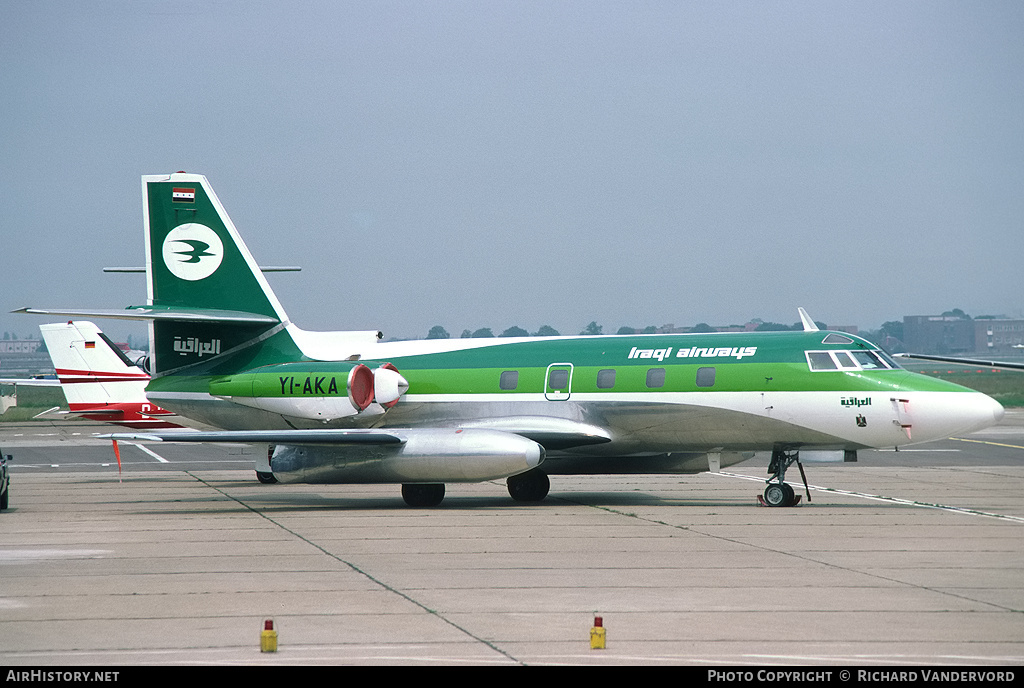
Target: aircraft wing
(550, 433)
(965, 361)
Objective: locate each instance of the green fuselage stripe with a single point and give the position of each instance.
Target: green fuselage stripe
(742, 363)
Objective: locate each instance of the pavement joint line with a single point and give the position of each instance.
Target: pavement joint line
(358, 570)
(805, 557)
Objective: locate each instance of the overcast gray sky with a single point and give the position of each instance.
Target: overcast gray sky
(488, 164)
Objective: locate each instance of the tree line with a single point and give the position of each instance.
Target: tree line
(889, 335)
(439, 332)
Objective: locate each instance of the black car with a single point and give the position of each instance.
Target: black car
(5, 479)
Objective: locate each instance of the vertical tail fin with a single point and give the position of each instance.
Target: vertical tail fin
(92, 371)
(194, 255)
(199, 270)
(98, 380)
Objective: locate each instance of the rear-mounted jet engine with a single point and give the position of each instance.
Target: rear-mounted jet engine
(313, 390)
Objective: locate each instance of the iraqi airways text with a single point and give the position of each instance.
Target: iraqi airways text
(736, 352)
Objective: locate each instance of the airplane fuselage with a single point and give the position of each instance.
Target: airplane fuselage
(651, 394)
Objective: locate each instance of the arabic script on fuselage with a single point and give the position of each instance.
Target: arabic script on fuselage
(192, 345)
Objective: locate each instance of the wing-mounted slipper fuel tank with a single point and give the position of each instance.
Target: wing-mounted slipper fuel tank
(405, 455)
(432, 455)
(313, 390)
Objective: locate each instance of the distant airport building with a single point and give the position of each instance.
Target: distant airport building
(938, 334)
(22, 357)
(26, 357)
(999, 337)
(19, 346)
(958, 335)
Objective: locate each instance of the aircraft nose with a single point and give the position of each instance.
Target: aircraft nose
(982, 411)
(947, 415)
(997, 411)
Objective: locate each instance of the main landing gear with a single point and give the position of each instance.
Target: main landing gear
(779, 492)
(531, 486)
(267, 477)
(423, 494)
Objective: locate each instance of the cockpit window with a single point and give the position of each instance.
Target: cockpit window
(888, 359)
(821, 360)
(834, 338)
(868, 360)
(858, 359)
(844, 359)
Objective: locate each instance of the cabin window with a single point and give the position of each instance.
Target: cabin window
(705, 377)
(656, 378)
(605, 379)
(509, 379)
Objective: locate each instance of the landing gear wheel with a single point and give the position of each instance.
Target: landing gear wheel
(776, 495)
(531, 486)
(423, 494)
(779, 492)
(266, 478)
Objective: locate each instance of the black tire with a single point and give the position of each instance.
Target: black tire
(532, 486)
(776, 495)
(423, 494)
(266, 478)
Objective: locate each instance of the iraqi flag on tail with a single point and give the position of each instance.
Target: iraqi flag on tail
(180, 195)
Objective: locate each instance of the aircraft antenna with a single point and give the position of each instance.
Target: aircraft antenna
(809, 325)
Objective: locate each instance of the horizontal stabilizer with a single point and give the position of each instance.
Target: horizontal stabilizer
(156, 313)
(290, 437)
(263, 268)
(53, 412)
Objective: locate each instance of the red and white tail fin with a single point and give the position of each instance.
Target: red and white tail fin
(99, 381)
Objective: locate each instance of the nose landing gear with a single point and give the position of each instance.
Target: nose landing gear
(779, 492)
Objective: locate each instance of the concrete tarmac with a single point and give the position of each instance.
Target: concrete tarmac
(908, 558)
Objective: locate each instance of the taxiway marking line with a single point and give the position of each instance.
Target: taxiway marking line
(149, 451)
(882, 498)
(994, 444)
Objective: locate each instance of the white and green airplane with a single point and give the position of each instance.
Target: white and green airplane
(345, 407)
